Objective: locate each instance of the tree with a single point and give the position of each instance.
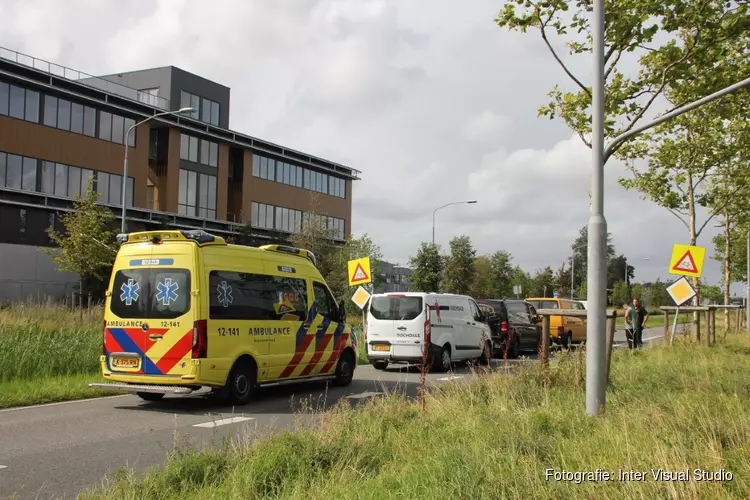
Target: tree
(480, 287)
(427, 267)
(543, 283)
(562, 278)
(460, 266)
(737, 254)
(616, 270)
(580, 250)
(672, 41)
(315, 236)
(88, 246)
(501, 275)
(523, 279)
(620, 294)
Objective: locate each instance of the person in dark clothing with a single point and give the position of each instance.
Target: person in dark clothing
(641, 316)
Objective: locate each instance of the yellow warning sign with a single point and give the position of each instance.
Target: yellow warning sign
(359, 271)
(360, 297)
(681, 291)
(687, 260)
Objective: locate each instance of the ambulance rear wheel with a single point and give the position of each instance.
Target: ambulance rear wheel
(241, 383)
(150, 396)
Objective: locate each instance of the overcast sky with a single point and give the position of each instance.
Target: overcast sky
(430, 100)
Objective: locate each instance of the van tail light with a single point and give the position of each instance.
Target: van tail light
(364, 329)
(104, 339)
(200, 339)
(503, 327)
(427, 326)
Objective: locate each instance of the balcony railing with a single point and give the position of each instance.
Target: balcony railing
(83, 78)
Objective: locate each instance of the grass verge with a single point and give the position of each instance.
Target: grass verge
(48, 354)
(676, 408)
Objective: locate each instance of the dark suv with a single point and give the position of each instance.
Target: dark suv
(514, 319)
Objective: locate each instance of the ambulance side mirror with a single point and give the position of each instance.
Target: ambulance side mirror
(342, 311)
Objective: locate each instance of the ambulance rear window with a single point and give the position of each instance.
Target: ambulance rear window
(151, 293)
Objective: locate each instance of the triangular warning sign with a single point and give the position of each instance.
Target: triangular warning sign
(686, 263)
(359, 274)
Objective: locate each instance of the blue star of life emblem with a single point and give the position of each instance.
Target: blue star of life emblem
(167, 291)
(224, 293)
(130, 292)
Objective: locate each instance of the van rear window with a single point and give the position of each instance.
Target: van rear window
(396, 308)
(545, 304)
(151, 293)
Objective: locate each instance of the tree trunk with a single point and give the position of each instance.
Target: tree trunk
(693, 238)
(727, 269)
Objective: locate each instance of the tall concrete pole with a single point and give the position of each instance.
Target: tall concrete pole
(597, 232)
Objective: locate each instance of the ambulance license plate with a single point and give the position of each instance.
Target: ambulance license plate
(381, 347)
(125, 362)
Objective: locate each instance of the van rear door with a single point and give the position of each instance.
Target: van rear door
(149, 328)
(396, 324)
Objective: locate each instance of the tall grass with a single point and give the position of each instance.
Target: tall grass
(675, 408)
(48, 341)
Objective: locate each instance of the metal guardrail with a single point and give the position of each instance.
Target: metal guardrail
(83, 78)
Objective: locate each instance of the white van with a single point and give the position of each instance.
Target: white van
(399, 326)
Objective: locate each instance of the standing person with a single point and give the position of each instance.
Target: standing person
(641, 316)
(629, 322)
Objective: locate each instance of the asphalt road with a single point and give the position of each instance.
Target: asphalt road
(57, 450)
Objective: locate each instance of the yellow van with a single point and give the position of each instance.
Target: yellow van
(564, 330)
(186, 311)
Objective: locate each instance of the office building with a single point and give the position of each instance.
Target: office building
(60, 127)
(395, 278)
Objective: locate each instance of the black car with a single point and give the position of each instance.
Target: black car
(512, 319)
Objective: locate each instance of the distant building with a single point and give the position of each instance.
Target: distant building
(396, 278)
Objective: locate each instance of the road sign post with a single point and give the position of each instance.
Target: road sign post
(681, 292)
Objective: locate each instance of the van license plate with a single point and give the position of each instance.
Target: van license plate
(381, 347)
(126, 362)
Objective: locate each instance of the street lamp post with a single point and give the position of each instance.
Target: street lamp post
(446, 205)
(125, 164)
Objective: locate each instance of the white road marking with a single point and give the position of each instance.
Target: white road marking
(363, 395)
(452, 377)
(75, 401)
(223, 421)
(3, 467)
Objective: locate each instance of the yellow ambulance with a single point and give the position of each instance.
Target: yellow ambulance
(186, 311)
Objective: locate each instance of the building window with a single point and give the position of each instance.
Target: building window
(18, 102)
(206, 110)
(65, 180)
(197, 194)
(57, 179)
(199, 150)
(109, 187)
(81, 119)
(113, 128)
(293, 175)
(262, 215)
